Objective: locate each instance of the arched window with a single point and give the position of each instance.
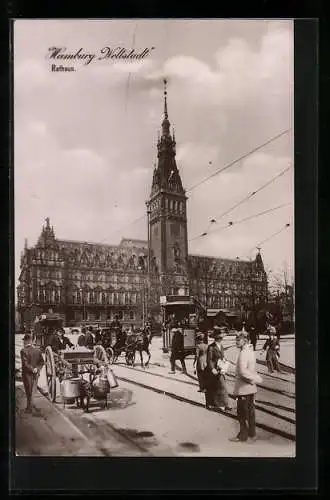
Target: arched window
(103, 298)
(131, 315)
(120, 314)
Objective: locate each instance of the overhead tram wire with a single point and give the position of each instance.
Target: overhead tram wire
(231, 164)
(246, 198)
(250, 217)
(258, 245)
(253, 193)
(219, 171)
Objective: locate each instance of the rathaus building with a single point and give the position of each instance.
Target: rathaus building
(92, 282)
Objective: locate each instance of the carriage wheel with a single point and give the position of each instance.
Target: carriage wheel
(50, 373)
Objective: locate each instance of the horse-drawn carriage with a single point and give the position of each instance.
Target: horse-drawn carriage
(74, 372)
(129, 345)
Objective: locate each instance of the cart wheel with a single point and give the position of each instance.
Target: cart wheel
(50, 373)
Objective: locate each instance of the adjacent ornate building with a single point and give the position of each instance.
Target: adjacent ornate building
(94, 282)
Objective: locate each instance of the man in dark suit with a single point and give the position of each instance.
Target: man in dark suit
(216, 390)
(252, 335)
(65, 340)
(32, 362)
(177, 350)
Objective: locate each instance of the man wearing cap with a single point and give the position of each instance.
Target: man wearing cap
(32, 362)
(245, 389)
(177, 350)
(216, 391)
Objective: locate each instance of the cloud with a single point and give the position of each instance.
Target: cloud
(85, 142)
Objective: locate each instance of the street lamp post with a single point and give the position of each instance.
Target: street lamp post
(83, 301)
(148, 263)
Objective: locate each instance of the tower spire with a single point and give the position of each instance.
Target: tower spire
(165, 99)
(165, 123)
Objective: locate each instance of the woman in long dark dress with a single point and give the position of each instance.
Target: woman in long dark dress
(201, 361)
(272, 347)
(216, 388)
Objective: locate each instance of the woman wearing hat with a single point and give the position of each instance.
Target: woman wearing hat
(216, 391)
(272, 347)
(200, 360)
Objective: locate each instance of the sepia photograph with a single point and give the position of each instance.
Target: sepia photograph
(154, 238)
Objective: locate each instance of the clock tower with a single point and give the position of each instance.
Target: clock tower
(167, 208)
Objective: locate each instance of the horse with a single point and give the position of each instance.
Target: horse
(88, 390)
(142, 345)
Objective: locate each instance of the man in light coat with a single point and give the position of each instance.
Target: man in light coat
(245, 389)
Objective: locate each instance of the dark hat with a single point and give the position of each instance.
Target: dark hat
(218, 332)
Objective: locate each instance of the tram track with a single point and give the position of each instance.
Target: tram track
(195, 384)
(285, 367)
(272, 430)
(142, 450)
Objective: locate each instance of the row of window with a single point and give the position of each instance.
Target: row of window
(49, 274)
(46, 255)
(175, 206)
(55, 296)
(103, 277)
(107, 315)
(226, 302)
(224, 288)
(111, 298)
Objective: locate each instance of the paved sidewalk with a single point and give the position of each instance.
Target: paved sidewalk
(47, 432)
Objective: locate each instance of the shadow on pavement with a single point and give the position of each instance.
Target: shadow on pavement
(120, 398)
(193, 447)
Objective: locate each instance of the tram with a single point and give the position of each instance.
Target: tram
(181, 312)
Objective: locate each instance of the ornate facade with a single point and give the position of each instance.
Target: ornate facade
(94, 282)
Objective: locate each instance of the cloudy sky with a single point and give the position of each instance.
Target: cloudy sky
(85, 141)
